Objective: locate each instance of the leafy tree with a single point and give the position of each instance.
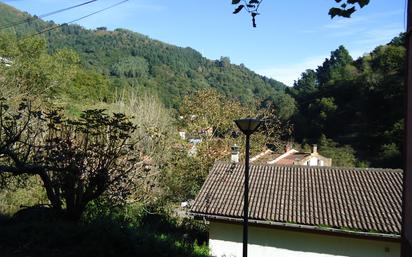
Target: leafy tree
(132, 67)
(210, 116)
(208, 111)
(33, 71)
(155, 137)
(87, 85)
(345, 9)
(358, 103)
(78, 160)
(251, 6)
(333, 68)
(342, 156)
(327, 107)
(389, 155)
(274, 130)
(306, 85)
(184, 175)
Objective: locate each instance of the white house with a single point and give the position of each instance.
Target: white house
(5, 61)
(292, 157)
(303, 211)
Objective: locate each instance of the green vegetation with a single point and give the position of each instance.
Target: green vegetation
(77, 160)
(20, 191)
(89, 122)
(82, 168)
(134, 234)
(209, 116)
(355, 105)
(343, 99)
(129, 59)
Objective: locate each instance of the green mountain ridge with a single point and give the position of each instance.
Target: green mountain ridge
(131, 59)
(353, 109)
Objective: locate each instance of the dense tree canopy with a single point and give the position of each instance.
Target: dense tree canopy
(77, 159)
(351, 108)
(98, 163)
(358, 103)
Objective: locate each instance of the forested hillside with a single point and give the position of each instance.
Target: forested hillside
(130, 59)
(352, 108)
(357, 103)
(89, 80)
(91, 160)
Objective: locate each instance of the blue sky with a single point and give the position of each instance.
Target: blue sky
(291, 36)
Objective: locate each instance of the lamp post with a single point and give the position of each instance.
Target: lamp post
(247, 126)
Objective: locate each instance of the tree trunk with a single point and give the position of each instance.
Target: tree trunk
(55, 201)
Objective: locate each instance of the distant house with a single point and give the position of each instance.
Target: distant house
(303, 211)
(193, 149)
(182, 135)
(5, 61)
(292, 157)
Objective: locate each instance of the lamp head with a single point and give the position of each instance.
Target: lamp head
(248, 125)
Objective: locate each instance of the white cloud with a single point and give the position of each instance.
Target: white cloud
(358, 53)
(342, 23)
(356, 22)
(379, 36)
(288, 73)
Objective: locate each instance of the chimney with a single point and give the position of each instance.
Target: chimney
(315, 149)
(235, 154)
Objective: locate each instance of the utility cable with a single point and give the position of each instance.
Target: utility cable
(13, 24)
(72, 21)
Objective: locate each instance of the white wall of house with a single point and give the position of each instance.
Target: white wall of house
(226, 240)
(313, 161)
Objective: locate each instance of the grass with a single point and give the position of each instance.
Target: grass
(18, 191)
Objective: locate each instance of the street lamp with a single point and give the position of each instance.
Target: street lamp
(247, 126)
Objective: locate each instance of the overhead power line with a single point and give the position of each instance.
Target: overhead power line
(13, 24)
(72, 21)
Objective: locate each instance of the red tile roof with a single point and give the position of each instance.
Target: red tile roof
(365, 200)
(290, 159)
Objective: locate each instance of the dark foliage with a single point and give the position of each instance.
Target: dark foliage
(358, 103)
(152, 236)
(77, 160)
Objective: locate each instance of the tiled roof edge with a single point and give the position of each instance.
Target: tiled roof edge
(312, 167)
(394, 237)
(291, 151)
